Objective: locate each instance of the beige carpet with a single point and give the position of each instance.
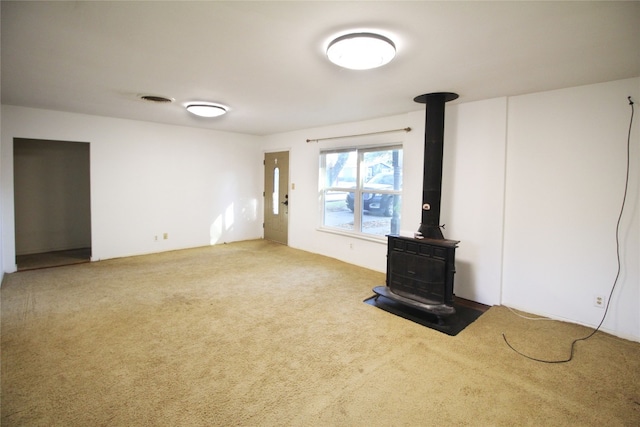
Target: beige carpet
(258, 334)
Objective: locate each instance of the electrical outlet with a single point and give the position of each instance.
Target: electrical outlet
(350, 245)
(165, 236)
(155, 238)
(599, 301)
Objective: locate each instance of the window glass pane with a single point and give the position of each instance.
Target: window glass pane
(381, 214)
(341, 169)
(383, 169)
(336, 209)
(340, 175)
(276, 190)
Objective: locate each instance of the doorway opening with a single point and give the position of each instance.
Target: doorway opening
(52, 203)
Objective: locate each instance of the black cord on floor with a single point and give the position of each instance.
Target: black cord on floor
(615, 282)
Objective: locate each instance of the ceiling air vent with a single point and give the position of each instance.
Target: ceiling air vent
(156, 99)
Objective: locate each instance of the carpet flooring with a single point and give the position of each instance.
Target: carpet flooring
(260, 334)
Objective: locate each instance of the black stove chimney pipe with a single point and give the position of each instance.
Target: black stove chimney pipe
(433, 151)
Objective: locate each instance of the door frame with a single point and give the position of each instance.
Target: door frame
(88, 220)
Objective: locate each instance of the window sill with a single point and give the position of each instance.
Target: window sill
(359, 236)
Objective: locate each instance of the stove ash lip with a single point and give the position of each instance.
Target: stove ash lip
(433, 155)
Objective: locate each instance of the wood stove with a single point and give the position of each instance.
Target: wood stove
(420, 269)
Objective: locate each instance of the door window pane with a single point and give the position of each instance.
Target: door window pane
(276, 190)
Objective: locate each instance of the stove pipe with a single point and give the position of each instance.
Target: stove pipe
(433, 150)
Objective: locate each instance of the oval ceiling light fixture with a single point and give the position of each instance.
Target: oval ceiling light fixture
(361, 51)
(206, 109)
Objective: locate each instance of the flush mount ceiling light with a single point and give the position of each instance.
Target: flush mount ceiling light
(204, 109)
(361, 51)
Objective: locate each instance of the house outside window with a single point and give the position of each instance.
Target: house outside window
(361, 190)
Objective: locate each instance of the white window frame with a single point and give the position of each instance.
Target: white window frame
(358, 190)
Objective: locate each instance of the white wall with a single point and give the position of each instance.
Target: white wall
(473, 195)
(565, 180)
(147, 179)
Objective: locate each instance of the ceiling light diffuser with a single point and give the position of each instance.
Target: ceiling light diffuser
(206, 110)
(361, 51)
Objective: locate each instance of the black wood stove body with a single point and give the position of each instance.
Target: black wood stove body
(420, 274)
(420, 269)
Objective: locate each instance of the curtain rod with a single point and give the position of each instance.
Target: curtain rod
(360, 134)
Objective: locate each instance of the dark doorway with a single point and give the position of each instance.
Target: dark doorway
(52, 202)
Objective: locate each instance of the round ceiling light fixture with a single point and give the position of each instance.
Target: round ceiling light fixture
(361, 51)
(206, 109)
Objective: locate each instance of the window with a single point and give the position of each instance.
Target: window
(362, 190)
